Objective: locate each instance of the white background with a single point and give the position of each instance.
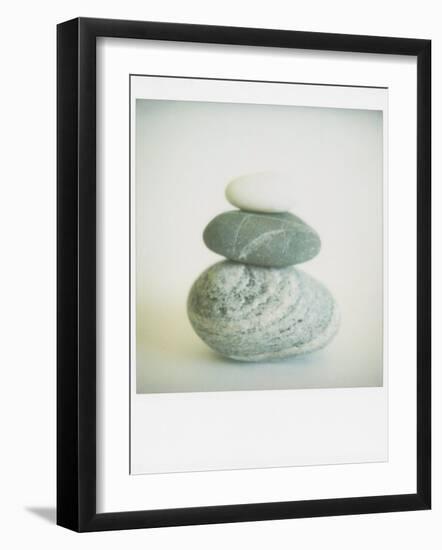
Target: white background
(27, 220)
(116, 490)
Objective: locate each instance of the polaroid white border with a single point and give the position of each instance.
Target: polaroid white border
(255, 425)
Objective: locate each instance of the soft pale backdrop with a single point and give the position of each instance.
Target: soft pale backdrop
(185, 153)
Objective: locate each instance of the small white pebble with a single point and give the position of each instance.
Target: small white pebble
(261, 192)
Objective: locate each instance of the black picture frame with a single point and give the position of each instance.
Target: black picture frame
(77, 288)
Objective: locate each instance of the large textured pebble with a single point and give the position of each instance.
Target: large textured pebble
(268, 240)
(261, 192)
(255, 314)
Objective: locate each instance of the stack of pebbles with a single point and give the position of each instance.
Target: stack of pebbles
(256, 306)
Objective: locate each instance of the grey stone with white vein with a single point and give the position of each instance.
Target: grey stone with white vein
(253, 313)
(268, 240)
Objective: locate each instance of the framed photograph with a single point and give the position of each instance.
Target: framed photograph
(243, 274)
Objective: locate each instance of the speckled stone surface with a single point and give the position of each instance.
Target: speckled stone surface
(253, 313)
(267, 240)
